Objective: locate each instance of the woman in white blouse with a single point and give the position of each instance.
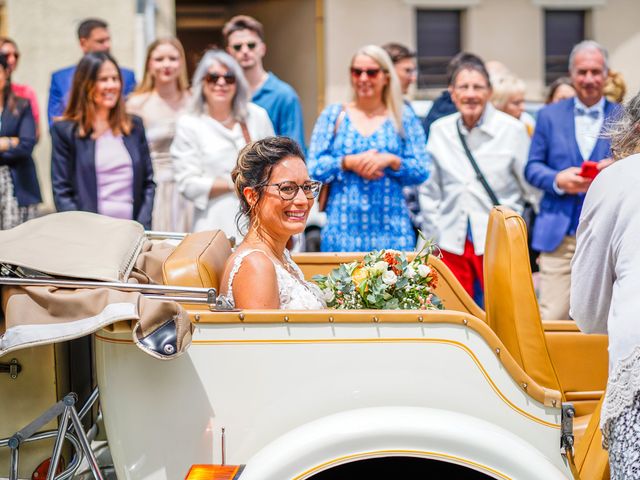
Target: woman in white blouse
(605, 275)
(219, 121)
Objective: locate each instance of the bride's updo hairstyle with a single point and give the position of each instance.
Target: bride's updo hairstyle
(253, 169)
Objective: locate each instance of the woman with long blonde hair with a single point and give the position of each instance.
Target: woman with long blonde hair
(366, 151)
(159, 99)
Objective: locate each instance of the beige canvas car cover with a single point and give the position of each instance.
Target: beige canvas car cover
(90, 247)
(74, 244)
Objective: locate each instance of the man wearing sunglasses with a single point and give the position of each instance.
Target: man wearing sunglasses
(244, 39)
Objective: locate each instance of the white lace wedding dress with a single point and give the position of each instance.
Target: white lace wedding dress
(295, 292)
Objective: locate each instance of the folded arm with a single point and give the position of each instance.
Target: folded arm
(324, 164)
(187, 165)
(18, 148)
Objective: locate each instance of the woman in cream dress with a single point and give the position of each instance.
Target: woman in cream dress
(219, 121)
(159, 100)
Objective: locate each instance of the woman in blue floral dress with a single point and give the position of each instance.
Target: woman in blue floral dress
(367, 151)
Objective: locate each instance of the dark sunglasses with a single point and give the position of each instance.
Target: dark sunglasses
(212, 78)
(238, 46)
(369, 72)
(288, 190)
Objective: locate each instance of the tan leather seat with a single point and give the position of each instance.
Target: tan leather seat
(198, 261)
(510, 302)
(591, 460)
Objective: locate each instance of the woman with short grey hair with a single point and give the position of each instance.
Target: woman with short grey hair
(220, 121)
(198, 103)
(605, 274)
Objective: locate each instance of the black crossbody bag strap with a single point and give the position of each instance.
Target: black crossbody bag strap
(479, 174)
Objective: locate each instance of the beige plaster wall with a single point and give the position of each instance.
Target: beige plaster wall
(165, 18)
(616, 27)
(511, 31)
(352, 24)
(291, 51)
(45, 31)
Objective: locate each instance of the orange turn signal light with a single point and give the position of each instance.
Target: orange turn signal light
(214, 472)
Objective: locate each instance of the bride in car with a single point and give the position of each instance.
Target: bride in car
(276, 194)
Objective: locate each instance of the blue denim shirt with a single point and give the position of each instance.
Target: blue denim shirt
(282, 104)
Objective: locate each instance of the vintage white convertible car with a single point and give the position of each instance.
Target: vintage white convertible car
(327, 394)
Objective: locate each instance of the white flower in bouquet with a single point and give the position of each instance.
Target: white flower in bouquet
(410, 272)
(328, 295)
(424, 270)
(380, 266)
(389, 277)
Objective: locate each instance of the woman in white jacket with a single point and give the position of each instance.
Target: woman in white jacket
(605, 276)
(220, 121)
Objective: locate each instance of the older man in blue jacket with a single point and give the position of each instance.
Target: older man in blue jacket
(567, 134)
(93, 35)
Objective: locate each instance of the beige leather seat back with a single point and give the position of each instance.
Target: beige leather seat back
(510, 302)
(198, 261)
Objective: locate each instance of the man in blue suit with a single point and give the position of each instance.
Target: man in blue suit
(567, 133)
(93, 35)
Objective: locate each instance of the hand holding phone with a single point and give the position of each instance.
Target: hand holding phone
(589, 169)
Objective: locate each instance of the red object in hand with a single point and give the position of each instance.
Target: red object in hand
(589, 169)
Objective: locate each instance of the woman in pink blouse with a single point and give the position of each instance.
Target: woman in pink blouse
(100, 158)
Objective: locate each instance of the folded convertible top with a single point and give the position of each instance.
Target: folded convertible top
(74, 244)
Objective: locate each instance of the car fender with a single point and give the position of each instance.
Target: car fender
(399, 431)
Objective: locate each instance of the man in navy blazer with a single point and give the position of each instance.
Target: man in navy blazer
(567, 133)
(93, 35)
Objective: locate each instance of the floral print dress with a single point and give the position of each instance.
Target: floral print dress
(364, 215)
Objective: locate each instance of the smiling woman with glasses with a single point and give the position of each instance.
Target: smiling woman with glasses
(289, 190)
(220, 120)
(275, 194)
(367, 150)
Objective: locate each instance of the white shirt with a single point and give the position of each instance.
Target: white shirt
(587, 127)
(204, 150)
(605, 276)
(453, 197)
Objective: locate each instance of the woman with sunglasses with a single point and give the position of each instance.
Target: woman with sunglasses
(159, 99)
(219, 121)
(100, 159)
(367, 151)
(275, 196)
(9, 48)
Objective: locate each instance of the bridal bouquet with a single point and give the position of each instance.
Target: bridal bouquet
(384, 279)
